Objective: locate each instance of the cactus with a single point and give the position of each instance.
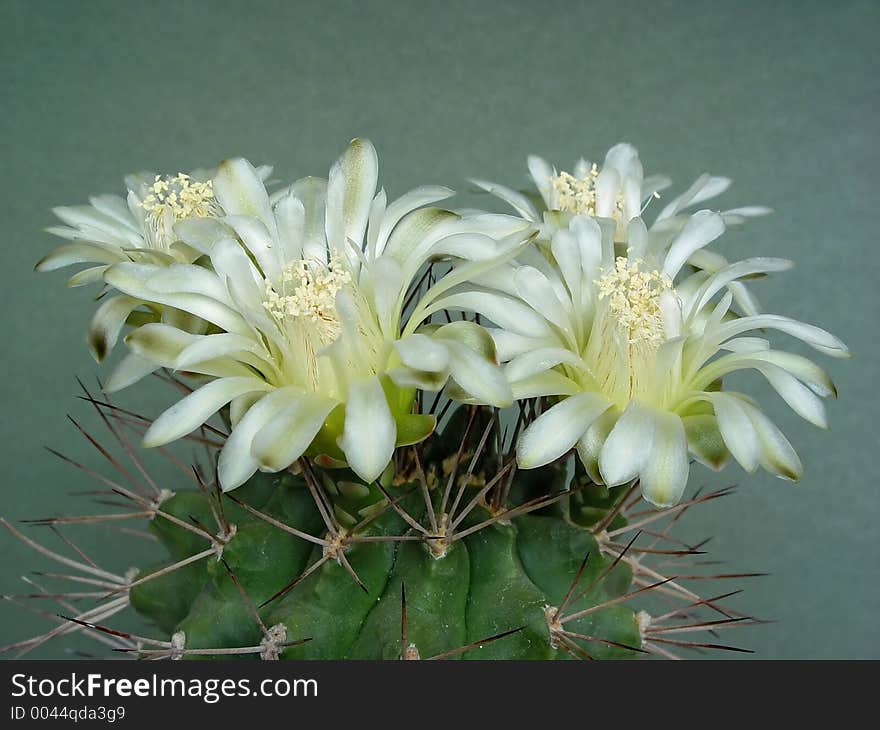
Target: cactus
(452, 553)
(427, 433)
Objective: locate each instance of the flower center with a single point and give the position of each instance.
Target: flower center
(180, 195)
(575, 194)
(172, 198)
(306, 295)
(628, 330)
(572, 194)
(634, 300)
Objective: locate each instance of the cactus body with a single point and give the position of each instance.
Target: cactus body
(502, 577)
(330, 559)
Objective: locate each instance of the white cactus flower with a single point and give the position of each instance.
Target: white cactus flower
(617, 189)
(312, 340)
(633, 350)
(138, 227)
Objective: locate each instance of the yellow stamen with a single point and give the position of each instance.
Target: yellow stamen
(307, 294)
(180, 195)
(634, 300)
(577, 195)
(628, 331)
(173, 198)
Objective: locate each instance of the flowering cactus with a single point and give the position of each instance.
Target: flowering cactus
(427, 431)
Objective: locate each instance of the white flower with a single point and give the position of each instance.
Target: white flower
(139, 227)
(617, 190)
(312, 341)
(634, 350)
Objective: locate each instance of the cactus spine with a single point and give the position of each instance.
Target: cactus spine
(453, 553)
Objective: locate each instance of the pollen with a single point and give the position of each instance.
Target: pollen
(181, 196)
(633, 297)
(306, 294)
(572, 194)
(575, 194)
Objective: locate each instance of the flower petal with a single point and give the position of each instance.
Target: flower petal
(590, 445)
(420, 352)
(815, 337)
(557, 430)
(132, 279)
(128, 371)
(258, 240)
(737, 430)
(290, 220)
(478, 376)
(539, 360)
(78, 253)
(201, 233)
(541, 171)
(192, 411)
(701, 229)
(404, 205)
(541, 384)
(627, 447)
(507, 312)
(350, 190)
(312, 192)
(536, 290)
(664, 475)
(236, 463)
(107, 323)
(370, 433)
(704, 440)
(240, 191)
(777, 454)
(291, 430)
(703, 188)
(519, 202)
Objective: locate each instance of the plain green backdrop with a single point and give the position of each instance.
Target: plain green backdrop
(780, 96)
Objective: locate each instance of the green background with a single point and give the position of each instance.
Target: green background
(780, 96)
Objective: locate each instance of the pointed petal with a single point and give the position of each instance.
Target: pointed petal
(557, 430)
(541, 384)
(201, 233)
(541, 171)
(536, 290)
(519, 202)
(258, 240)
(285, 437)
(128, 371)
(312, 191)
(701, 229)
(404, 205)
(370, 433)
(236, 463)
(192, 411)
(420, 352)
(815, 337)
(78, 253)
(107, 323)
(705, 441)
(507, 312)
(590, 445)
(538, 361)
(627, 446)
(240, 191)
(737, 430)
(777, 454)
(350, 190)
(799, 397)
(664, 475)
